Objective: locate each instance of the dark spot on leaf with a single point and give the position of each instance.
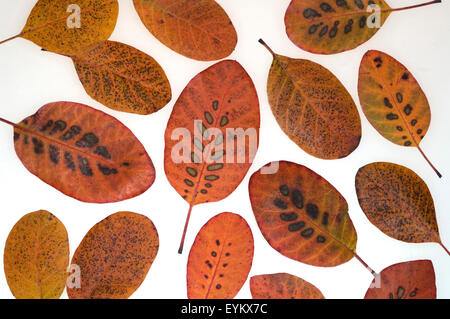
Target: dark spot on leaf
(46, 126)
(359, 4)
(419, 131)
(83, 164)
(326, 7)
(288, 217)
(311, 13)
(102, 151)
(215, 105)
(408, 143)
(307, 233)
(320, 239)
(392, 116)
(59, 126)
(214, 167)
(16, 136)
(400, 292)
(399, 128)
(211, 178)
(297, 198)
(106, 170)
(341, 3)
(405, 76)
(387, 103)
(313, 29)
(224, 121)
(218, 286)
(362, 22)
(188, 182)
(284, 190)
(38, 146)
(214, 254)
(323, 31)
(399, 97)
(68, 159)
(280, 203)
(191, 171)
(71, 133)
(217, 242)
(296, 226)
(407, 109)
(312, 210)
(54, 153)
(325, 219)
(413, 122)
(209, 118)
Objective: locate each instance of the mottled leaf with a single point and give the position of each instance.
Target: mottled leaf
(282, 286)
(312, 107)
(334, 26)
(67, 26)
(393, 101)
(207, 153)
(36, 257)
(115, 256)
(197, 29)
(302, 216)
(220, 258)
(408, 280)
(84, 153)
(398, 202)
(123, 78)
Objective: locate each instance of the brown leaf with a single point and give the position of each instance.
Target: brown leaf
(393, 101)
(302, 216)
(36, 257)
(398, 202)
(52, 24)
(115, 256)
(123, 78)
(84, 153)
(197, 29)
(282, 286)
(220, 258)
(408, 280)
(312, 107)
(208, 163)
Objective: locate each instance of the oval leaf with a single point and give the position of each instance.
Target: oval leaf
(408, 280)
(36, 257)
(313, 108)
(220, 258)
(392, 100)
(199, 30)
(53, 25)
(201, 159)
(302, 216)
(84, 153)
(328, 27)
(123, 78)
(398, 202)
(115, 256)
(282, 286)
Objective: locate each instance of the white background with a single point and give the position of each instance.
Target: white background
(30, 78)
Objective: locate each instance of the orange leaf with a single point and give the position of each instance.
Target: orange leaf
(220, 258)
(65, 26)
(115, 256)
(398, 202)
(123, 78)
(210, 165)
(408, 280)
(36, 257)
(197, 29)
(302, 216)
(312, 107)
(393, 101)
(282, 286)
(84, 153)
(328, 27)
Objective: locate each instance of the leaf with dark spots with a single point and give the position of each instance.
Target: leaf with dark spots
(197, 29)
(282, 286)
(398, 202)
(408, 280)
(115, 256)
(308, 238)
(66, 27)
(344, 24)
(207, 162)
(393, 103)
(85, 159)
(312, 107)
(220, 258)
(36, 257)
(123, 78)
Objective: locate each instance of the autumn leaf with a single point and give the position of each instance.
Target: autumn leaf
(398, 202)
(312, 107)
(408, 280)
(123, 78)
(302, 216)
(84, 153)
(220, 258)
(282, 286)
(115, 256)
(212, 135)
(328, 27)
(36, 257)
(66, 27)
(198, 29)
(393, 101)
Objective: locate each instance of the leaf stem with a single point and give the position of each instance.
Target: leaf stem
(365, 264)
(180, 250)
(445, 248)
(12, 38)
(266, 46)
(414, 6)
(429, 162)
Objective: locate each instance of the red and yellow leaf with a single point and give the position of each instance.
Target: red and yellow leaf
(115, 256)
(282, 286)
(220, 258)
(197, 29)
